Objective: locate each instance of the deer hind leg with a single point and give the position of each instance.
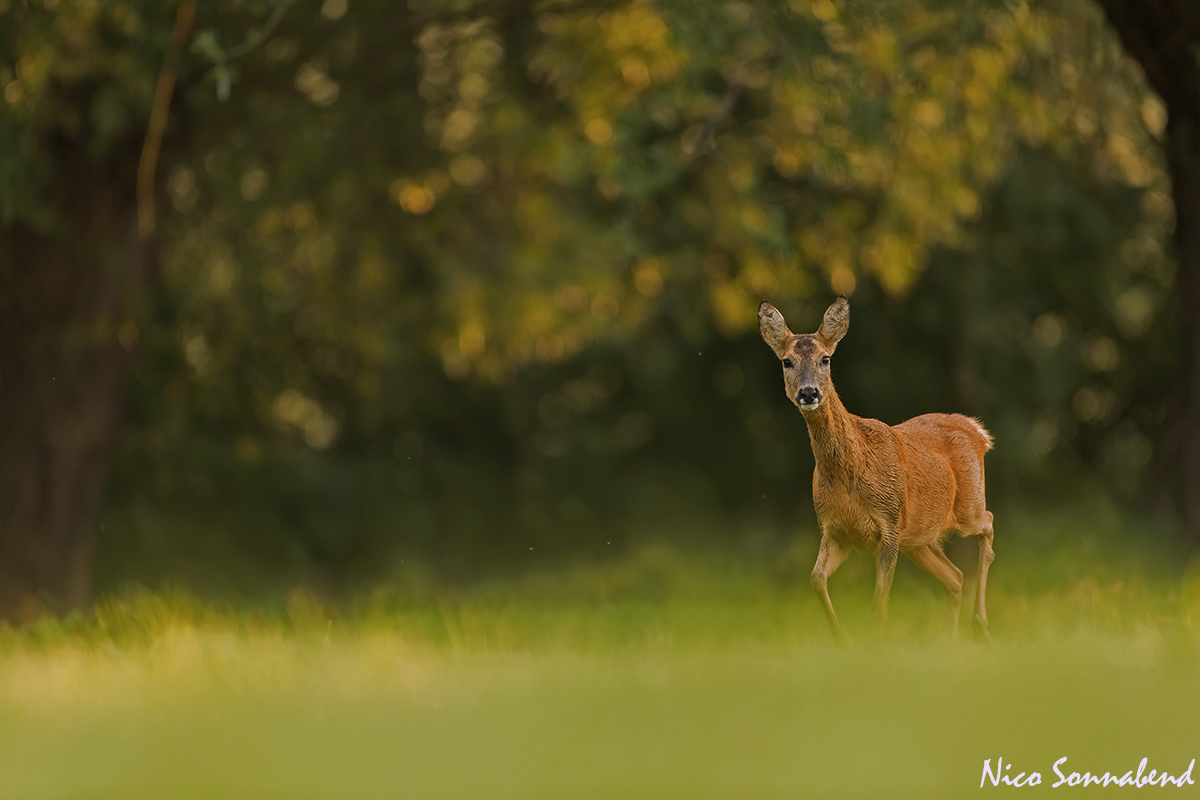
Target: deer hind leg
(934, 560)
(831, 556)
(986, 555)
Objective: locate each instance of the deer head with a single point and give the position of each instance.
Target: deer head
(805, 357)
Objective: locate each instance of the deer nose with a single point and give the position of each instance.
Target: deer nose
(808, 395)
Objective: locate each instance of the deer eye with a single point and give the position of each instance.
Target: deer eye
(824, 361)
(787, 363)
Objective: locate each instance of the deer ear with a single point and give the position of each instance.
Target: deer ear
(836, 322)
(772, 327)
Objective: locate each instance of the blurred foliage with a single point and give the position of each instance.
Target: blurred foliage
(461, 279)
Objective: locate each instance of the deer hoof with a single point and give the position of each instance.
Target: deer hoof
(981, 629)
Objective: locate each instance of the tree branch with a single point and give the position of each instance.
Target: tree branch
(148, 162)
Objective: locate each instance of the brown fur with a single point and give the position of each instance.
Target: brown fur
(884, 489)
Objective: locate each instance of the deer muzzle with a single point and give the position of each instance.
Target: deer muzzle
(809, 397)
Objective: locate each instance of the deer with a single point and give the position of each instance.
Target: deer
(884, 489)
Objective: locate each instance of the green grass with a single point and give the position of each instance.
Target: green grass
(659, 675)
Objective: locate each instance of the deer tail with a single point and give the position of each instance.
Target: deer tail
(977, 428)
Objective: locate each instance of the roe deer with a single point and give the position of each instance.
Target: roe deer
(884, 489)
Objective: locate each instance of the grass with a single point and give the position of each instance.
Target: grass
(659, 675)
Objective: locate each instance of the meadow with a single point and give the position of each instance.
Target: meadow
(662, 673)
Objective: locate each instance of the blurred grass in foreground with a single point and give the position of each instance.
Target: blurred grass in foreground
(657, 675)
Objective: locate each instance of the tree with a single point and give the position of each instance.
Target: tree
(77, 88)
(1164, 37)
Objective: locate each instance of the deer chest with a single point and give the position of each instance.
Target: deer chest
(846, 512)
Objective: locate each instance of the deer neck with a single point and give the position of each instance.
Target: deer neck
(836, 442)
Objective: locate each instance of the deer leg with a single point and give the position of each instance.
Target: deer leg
(985, 560)
(934, 560)
(829, 558)
(885, 570)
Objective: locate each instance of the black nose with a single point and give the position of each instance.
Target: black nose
(808, 394)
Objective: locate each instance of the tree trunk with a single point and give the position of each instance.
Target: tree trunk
(1163, 36)
(63, 377)
(1179, 461)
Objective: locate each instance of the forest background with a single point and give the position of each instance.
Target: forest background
(347, 294)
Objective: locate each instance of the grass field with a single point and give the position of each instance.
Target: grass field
(656, 675)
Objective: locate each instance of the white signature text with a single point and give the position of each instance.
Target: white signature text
(1002, 775)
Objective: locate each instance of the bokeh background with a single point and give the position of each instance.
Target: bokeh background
(382, 410)
(346, 293)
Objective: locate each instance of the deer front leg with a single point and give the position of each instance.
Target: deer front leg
(885, 569)
(829, 558)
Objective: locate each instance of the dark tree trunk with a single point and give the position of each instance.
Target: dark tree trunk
(1164, 37)
(1180, 454)
(63, 377)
